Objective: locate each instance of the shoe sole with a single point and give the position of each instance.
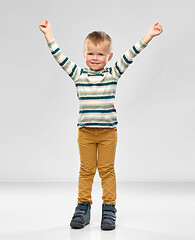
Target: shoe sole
(78, 225)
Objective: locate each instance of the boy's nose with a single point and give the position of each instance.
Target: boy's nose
(94, 57)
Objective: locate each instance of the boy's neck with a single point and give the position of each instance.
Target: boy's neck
(96, 70)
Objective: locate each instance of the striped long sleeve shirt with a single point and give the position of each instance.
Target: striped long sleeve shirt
(96, 89)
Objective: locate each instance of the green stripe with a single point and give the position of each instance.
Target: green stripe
(95, 84)
(97, 111)
(51, 43)
(126, 60)
(75, 66)
(96, 98)
(97, 124)
(57, 55)
(94, 75)
(110, 70)
(135, 49)
(55, 51)
(102, 93)
(124, 64)
(132, 53)
(66, 65)
(142, 43)
(100, 106)
(117, 67)
(65, 60)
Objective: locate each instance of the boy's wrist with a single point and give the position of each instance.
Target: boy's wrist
(147, 38)
(49, 36)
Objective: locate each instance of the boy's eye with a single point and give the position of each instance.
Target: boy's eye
(101, 54)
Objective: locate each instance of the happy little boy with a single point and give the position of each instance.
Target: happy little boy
(97, 131)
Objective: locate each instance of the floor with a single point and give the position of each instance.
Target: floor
(145, 211)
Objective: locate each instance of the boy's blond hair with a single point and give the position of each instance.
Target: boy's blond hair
(96, 37)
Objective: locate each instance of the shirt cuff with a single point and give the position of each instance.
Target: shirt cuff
(143, 43)
(51, 41)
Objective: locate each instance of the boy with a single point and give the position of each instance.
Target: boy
(97, 131)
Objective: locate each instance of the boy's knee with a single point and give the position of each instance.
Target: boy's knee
(87, 172)
(106, 171)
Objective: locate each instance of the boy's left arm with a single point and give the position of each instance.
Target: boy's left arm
(122, 64)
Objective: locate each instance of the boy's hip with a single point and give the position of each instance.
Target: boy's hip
(97, 134)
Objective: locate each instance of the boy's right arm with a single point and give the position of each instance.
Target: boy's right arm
(66, 64)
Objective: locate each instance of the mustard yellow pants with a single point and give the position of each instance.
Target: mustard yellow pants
(97, 147)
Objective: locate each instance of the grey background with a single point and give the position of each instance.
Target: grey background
(155, 96)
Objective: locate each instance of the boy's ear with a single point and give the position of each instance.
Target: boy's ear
(110, 57)
(83, 53)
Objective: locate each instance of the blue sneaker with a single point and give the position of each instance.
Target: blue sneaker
(108, 217)
(81, 216)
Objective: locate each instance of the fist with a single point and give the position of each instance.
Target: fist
(155, 30)
(45, 26)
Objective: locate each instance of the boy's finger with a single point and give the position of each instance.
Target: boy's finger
(43, 25)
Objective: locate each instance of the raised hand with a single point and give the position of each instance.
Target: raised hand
(45, 26)
(155, 30)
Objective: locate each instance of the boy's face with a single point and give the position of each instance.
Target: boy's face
(96, 56)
